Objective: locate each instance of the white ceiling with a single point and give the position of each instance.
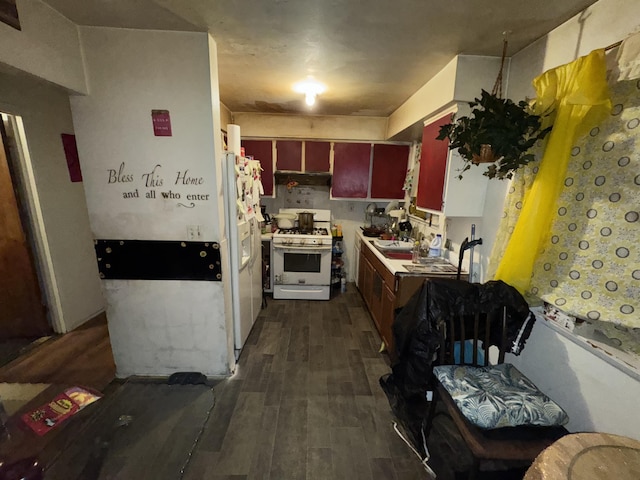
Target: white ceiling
(372, 55)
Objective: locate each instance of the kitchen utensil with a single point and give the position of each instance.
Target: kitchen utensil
(394, 205)
(405, 230)
(371, 209)
(265, 215)
(372, 231)
(405, 226)
(305, 221)
(285, 220)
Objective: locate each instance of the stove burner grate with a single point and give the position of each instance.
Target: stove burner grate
(297, 231)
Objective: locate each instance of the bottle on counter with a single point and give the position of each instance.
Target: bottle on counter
(415, 254)
(436, 246)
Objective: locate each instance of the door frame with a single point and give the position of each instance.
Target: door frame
(29, 198)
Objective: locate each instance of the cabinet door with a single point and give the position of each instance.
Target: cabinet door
(389, 170)
(351, 162)
(316, 156)
(433, 166)
(289, 155)
(377, 287)
(262, 150)
(356, 259)
(386, 318)
(367, 281)
(360, 271)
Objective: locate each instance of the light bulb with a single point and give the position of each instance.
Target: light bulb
(310, 99)
(311, 89)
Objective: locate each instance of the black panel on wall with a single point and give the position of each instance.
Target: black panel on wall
(158, 260)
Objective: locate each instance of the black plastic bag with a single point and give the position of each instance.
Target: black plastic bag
(417, 336)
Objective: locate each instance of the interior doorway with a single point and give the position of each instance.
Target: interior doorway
(23, 310)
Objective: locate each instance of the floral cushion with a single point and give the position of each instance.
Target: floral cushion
(498, 396)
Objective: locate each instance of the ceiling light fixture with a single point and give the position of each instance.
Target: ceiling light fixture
(311, 89)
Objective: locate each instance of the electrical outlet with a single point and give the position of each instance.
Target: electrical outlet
(194, 232)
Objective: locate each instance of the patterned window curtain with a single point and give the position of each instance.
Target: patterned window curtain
(519, 186)
(573, 95)
(590, 265)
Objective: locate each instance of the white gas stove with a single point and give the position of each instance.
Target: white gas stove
(302, 259)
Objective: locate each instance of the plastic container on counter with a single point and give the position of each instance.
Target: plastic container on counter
(436, 246)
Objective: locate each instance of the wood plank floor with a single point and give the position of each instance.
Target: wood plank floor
(80, 357)
(305, 402)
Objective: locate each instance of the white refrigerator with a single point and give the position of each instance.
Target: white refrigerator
(242, 189)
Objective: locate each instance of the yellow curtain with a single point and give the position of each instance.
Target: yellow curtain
(574, 96)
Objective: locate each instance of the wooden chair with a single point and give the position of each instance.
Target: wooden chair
(522, 443)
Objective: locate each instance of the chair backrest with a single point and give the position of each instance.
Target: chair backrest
(479, 330)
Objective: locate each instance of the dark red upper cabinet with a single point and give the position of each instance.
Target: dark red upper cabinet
(262, 150)
(351, 163)
(289, 155)
(316, 156)
(433, 166)
(389, 170)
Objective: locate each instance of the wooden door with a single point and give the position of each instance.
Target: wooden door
(289, 155)
(22, 311)
(377, 286)
(316, 156)
(389, 170)
(367, 281)
(351, 163)
(387, 318)
(433, 166)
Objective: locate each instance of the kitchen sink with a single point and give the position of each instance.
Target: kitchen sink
(393, 245)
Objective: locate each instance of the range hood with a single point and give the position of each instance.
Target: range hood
(287, 177)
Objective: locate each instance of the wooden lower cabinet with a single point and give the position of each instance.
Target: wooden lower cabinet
(384, 292)
(377, 286)
(386, 321)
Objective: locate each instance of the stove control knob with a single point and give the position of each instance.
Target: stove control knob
(302, 240)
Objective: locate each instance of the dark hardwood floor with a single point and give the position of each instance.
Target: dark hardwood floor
(80, 357)
(305, 403)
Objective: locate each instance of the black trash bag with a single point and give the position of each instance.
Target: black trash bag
(417, 339)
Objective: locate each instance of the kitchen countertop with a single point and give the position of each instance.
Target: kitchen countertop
(396, 267)
(266, 236)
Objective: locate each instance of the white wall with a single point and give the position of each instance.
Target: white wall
(459, 81)
(47, 46)
(130, 73)
(596, 395)
(221, 118)
(311, 126)
(226, 117)
(59, 213)
(600, 25)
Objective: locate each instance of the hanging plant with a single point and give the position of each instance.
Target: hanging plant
(498, 131)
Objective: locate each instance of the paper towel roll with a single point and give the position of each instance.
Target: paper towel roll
(233, 138)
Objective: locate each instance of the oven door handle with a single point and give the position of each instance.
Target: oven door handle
(303, 248)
